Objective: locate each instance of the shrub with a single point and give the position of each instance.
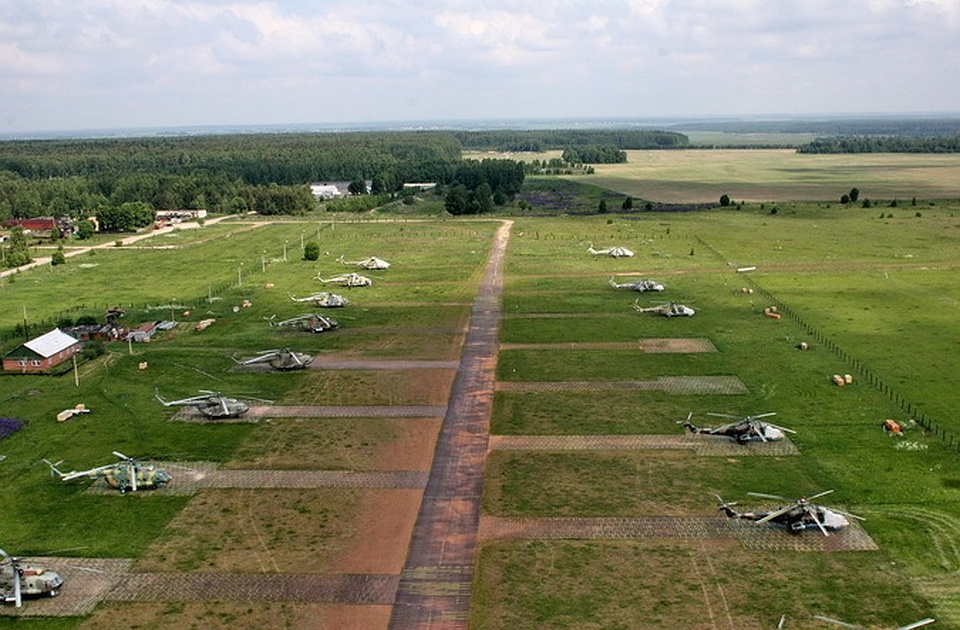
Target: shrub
(9, 426)
(311, 251)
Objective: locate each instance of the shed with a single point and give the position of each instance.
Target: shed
(42, 353)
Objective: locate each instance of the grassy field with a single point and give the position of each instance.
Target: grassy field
(763, 175)
(869, 292)
(873, 290)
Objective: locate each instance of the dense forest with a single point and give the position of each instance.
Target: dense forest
(883, 144)
(558, 139)
(266, 173)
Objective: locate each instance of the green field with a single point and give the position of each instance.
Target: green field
(873, 290)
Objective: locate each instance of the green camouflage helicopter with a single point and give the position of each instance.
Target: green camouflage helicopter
(126, 475)
(19, 580)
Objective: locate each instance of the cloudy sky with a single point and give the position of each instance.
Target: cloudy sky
(84, 64)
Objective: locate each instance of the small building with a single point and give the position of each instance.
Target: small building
(44, 227)
(142, 333)
(96, 332)
(42, 353)
(185, 214)
(326, 191)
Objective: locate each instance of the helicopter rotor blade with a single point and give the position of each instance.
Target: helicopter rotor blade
(839, 623)
(122, 456)
(816, 519)
(845, 513)
(772, 515)
(777, 426)
(17, 596)
(769, 496)
(817, 496)
(917, 624)
(763, 415)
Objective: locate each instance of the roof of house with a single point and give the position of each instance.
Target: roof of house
(41, 223)
(50, 343)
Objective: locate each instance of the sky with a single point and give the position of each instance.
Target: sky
(104, 64)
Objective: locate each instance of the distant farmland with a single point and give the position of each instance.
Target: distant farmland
(695, 176)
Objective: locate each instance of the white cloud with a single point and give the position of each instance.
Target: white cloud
(454, 58)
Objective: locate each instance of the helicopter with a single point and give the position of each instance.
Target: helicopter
(746, 429)
(284, 359)
(310, 322)
(670, 309)
(614, 252)
(909, 626)
(126, 475)
(19, 580)
(324, 299)
(796, 517)
(349, 280)
(370, 263)
(212, 404)
(642, 286)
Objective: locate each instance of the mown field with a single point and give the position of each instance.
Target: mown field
(415, 310)
(869, 293)
(873, 290)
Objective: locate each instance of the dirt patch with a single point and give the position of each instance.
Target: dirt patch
(230, 616)
(272, 531)
(370, 444)
(373, 387)
(381, 533)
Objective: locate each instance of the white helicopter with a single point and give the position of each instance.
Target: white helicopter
(19, 580)
(909, 626)
(126, 475)
(614, 252)
(324, 299)
(641, 286)
(213, 404)
(349, 280)
(371, 263)
(797, 516)
(283, 359)
(670, 309)
(745, 429)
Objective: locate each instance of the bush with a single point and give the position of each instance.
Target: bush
(9, 426)
(58, 257)
(311, 251)
(724, 200)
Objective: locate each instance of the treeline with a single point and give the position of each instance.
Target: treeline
(554, 139)
(259, 159)
(477, 186)
(595, 155)
(883, 144)
(266, 173)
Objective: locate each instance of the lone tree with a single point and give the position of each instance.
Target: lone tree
(311, 251)
(854, 194)
(724, 200)
(58, 257)
(627, 203)
(602, 207)
(18, 252)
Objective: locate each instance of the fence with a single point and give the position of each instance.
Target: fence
(856, 366)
